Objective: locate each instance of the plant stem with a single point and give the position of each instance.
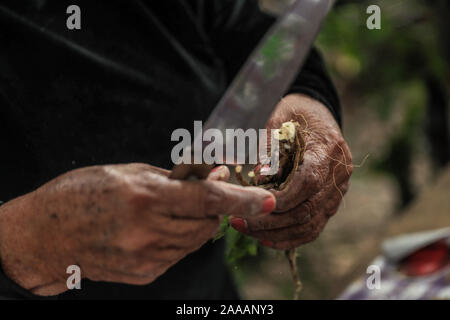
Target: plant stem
(291, 255)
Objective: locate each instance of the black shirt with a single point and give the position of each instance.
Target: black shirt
(113, 92)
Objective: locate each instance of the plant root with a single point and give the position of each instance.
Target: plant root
(291, 255)
(291, 152)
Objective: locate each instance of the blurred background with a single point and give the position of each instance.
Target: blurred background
(393, 85)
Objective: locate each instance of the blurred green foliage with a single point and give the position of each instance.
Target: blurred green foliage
(381, 63)
(237, 244)
(400, 67)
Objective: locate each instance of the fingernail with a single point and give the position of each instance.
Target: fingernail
(265, 168)
(216, 169)
(268, 205)
(266, 243)
(239, 224)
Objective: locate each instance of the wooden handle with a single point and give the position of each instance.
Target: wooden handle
(191, 171)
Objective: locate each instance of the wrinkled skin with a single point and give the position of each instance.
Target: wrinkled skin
(130, 223)
(318, 186)
(119, 223)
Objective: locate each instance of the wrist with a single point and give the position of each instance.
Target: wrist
(20, 258)
(304, 108)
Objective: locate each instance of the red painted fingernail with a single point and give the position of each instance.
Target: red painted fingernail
(266, 243)
(268, 205)
(239, 224)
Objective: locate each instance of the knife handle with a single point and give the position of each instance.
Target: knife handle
(191, 171)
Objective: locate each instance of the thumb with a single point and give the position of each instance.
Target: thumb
(200, 199)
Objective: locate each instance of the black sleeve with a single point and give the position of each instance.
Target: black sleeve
(236, 26)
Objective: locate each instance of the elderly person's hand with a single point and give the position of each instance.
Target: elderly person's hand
(118, 223)
(316, 190)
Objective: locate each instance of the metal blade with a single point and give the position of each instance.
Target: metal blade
(264, 78)
(270, 69)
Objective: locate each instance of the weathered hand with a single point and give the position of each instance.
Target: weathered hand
(118, 223)
(316, 190)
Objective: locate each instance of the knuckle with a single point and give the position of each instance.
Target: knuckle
(331, 208)
(131, 244)
(200, 196)
(318, 227)
(208, 197)
(308, 207)
(303, 214)
(332, 211)
(345, 187)
(217, 200)
(194, 199)
(133, 196)
(136, 201)
(316, 180)
(340, 141)
(310, 231)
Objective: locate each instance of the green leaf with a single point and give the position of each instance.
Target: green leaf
(238, 245)
(224, 226)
